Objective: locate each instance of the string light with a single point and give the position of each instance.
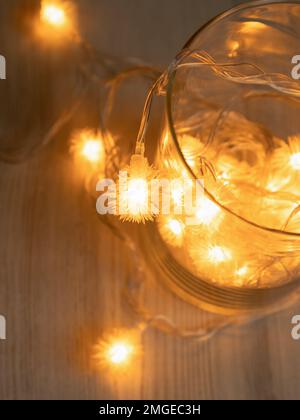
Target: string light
(206, 211)
(172, 230)
(138, 196)
(293, 145)
(53, 13)
(176, 227)
(88, 146)
(134, 191)
(119, 350)
(242, 271)
(57, 18)
(213, 260)
(222, 264)
(295, 161)
(217, 254)
(240, 151)
(92, 150)
(285, 161)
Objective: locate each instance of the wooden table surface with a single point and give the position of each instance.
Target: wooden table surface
(62, 272)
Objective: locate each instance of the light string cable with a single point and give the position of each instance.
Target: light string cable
(21, 154)
(114, 159)
(283, 85)
(225, 70)
(284, 88)
(112, 85)
(94, 67)
(113, 77)
(278, 82)
(133, 288)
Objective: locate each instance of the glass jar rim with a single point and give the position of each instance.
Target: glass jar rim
(233, 10)
(169, 94)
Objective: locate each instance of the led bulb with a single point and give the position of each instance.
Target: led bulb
(137, 195)
(218, 254)
(206, 211)
(134, 201)
(172, 230)
(119, 352)
(119, 349)
(57, 18)
(88, 147)
(92, 150)
(242, 271)
(295, 161)
(53, 14)
(176, 227)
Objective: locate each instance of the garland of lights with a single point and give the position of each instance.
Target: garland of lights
(97, 152)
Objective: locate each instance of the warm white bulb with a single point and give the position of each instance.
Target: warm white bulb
(206, 211)
(295, 161)
(119, 353)
(92, 150)
(118, 350)
(176, 227)
(53, 14)
(218, 254)
(242, 271)
(137, 195)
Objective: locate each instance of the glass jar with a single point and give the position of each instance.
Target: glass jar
(232, 122)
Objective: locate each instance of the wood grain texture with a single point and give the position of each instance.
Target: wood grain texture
(62, 272)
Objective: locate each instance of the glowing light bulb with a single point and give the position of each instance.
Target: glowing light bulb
(206, 211)
(218, 254)
(285, 161)
(92, 150)
(117, 350)
(57, 20)
(135, 203)
(88, 147)
(53, 14)
(176, 227)
(137, 196)
(119, 353)
(172, 230)
(242, 271)
(295, 161)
